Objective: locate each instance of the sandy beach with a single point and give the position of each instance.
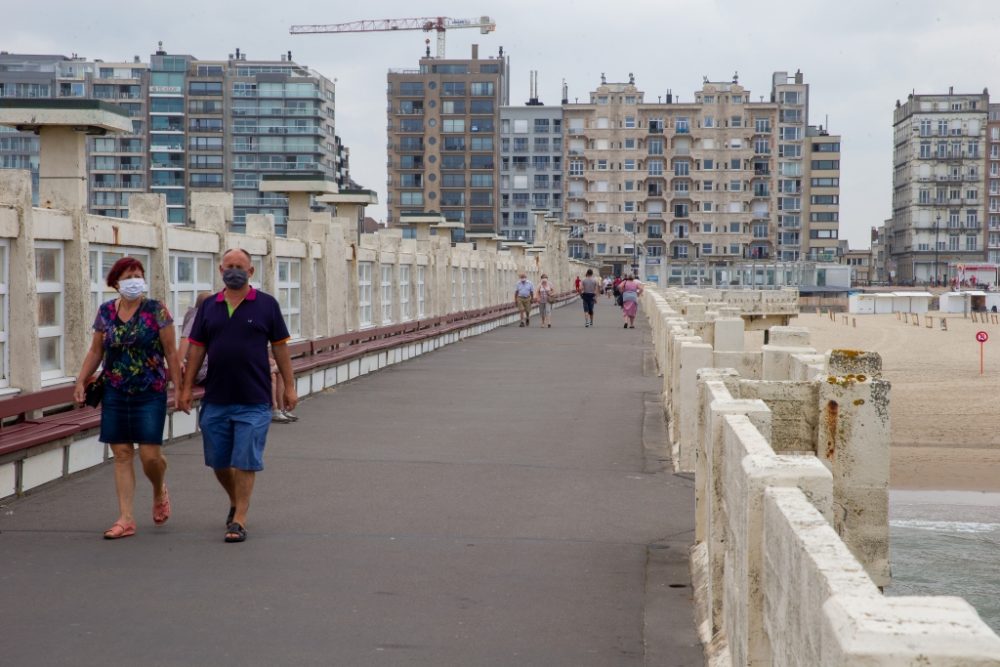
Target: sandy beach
(945, 415)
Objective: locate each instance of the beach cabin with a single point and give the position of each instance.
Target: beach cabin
(911, 302)
(954, 302)
(883, 303)
(861, 303)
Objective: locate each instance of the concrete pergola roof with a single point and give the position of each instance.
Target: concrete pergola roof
(306, 183)
(350, 197)
(449, 225)
(515, 244)
(89, 116)
(405, 220)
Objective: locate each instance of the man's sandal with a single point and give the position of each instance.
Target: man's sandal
(235, 532)
(119, 530)
(229, 517)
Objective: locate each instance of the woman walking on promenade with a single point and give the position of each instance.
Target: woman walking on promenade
(630, 289)
(546, 294)
(134, 337)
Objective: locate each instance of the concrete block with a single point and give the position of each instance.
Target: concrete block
(343, 373)
(302, 385)
(793, 412)
(354, 369)
(855, 362)
(329, 377)
(84, 454)
(777, 361)
(693, 356)
(8, 480)
(41, 468)
(789, 336)
(183, 424)
(318, 381)
(729, 334)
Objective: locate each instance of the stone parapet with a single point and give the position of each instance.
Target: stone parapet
(789, 448)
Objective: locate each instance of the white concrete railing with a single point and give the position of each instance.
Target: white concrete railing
(327, 252)
(790, 453)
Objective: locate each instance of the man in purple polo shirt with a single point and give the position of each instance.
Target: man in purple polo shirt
(234, 328)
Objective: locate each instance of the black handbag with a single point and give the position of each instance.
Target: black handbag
(94, 392)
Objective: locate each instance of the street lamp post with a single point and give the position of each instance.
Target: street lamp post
(937, 225)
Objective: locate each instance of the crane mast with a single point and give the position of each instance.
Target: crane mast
(438, 24)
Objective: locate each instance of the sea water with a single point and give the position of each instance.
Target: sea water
(947, 543)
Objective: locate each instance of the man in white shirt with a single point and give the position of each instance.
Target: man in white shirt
(524, 293)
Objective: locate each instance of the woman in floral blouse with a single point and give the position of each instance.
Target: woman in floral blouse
(134, 337)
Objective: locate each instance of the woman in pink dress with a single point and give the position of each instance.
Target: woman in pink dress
(630, 289)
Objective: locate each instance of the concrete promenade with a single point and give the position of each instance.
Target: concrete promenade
(502, 501)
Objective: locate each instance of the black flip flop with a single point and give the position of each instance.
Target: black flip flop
(237, 529)
(229, 517)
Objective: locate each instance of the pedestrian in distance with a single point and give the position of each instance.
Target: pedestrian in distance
(588, 294)
(576, 285)
(134, 339)
(545, 298)
(185, 345)
(524, 294)
(235, 328)
(631, 290)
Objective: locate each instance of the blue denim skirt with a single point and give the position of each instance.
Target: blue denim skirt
(133, 418)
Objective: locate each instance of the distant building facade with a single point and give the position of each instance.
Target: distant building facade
(660, 187)
(443, 140)
(939, 185)
(531, 174)
(199, 125)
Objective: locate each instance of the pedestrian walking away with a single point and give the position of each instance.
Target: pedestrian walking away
(134, 339)
(631, 289)
(588, 294)
(545, 298)
(524, 294)
(234, 329)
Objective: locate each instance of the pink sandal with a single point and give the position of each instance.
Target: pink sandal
(161, 510)
(119, 530)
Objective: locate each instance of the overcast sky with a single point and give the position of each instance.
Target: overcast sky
(859, 57)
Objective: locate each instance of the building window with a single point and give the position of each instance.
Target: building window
(404, 292)
(454, 289)
(385, 290)
(49, 284)
(190, 273)
(364, 294)
(289, 288)
(421, 291)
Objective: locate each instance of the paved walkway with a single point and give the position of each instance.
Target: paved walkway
(491, 503)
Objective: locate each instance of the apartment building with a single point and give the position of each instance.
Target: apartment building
(443, 147)
(671, 188)
(993, 175)
(939, 185)
(118, 166)
(531, 157)
(199, 125)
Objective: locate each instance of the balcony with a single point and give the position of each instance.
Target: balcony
(655, 129)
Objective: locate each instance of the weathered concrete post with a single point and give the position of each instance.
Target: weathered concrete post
(853, 441)
(262, 227)
(17, 220)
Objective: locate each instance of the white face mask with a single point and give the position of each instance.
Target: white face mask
(131, 288)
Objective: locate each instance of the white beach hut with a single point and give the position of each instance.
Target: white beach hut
(861, 303)
(883, 302)
(954, 302)
(911, 302)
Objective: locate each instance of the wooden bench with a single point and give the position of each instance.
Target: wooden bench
(21, 427)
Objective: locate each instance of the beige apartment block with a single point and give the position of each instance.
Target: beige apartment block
(443, 146)
(696, 187)
(939, 186)
(993, 157)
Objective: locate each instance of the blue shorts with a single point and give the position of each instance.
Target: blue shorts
(233, 435)
(132, 418)
(588, 302)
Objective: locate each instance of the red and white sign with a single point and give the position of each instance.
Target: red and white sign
(982, 336)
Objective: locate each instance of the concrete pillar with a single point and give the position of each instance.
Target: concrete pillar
(152, 209)
(729, 334)
(213, 212)
(335, 284)
(22, 351)
(262, 226)
(853, 441)
(693, 357)
(62, 168)
(308, 232)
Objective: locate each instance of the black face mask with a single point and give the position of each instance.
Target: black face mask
(235, 278)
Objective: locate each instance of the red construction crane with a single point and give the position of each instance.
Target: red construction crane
(438, 24)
